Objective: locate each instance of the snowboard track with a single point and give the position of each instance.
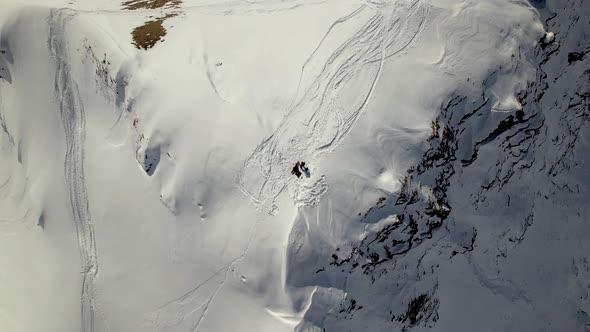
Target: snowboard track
(318, 120)
(74, 121)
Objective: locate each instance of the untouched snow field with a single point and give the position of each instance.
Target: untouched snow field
(151, 189)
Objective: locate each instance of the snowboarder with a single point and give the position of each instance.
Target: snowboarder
(303, 167)
(296, 170)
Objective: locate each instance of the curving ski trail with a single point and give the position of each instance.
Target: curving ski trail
(322, 116)
(191, 308)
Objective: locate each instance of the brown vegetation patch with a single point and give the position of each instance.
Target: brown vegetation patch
(151, 32)
(151, 4)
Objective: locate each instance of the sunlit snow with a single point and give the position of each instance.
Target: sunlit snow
(146, 150)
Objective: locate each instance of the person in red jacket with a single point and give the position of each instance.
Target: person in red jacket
(296, 170)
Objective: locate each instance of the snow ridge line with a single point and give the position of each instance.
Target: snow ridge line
(74, 122)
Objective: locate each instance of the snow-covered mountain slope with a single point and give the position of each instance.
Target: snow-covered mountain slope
(147, 148)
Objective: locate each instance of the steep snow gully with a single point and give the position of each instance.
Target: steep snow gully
(447, 143)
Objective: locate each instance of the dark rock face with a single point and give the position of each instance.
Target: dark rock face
(533, 160)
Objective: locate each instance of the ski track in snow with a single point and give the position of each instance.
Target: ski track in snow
(184, 308)
(318, 121)
(74, 122)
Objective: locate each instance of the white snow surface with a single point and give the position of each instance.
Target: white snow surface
(151, 190)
